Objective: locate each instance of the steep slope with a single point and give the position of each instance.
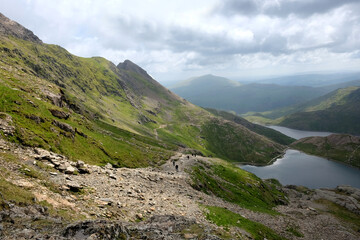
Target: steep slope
(267, 132)
(340, 147)
(243, 98)
(86, 107)
(336, 112)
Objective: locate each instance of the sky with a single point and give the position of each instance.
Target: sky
(175, 40)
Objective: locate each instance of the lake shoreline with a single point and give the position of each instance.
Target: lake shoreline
(271, 161)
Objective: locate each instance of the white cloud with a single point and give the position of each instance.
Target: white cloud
(177, 39)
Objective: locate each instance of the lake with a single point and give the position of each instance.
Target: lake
(299, 168)
(297, 134)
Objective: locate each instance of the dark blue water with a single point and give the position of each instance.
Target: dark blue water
(302, 169)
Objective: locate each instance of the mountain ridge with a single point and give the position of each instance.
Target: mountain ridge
(117, 100)
(93, 151)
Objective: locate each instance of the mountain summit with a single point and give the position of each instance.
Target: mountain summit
(130, 66)
(12, 28)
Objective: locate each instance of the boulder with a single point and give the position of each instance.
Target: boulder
(6, 124)
(74, 186)
(59, 114)
(64, 126)
(70, 170)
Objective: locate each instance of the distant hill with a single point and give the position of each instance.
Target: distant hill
(313, 80)
(265, 131)
(338, 111)
(221, 93)
(340, 147)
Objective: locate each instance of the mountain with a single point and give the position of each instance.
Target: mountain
(313, 80)
(337, 111)
(54, 99)
(219, 93)
(265, 131)
(91, 150)
(340, 147)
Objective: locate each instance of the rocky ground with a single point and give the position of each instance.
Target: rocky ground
(146, 203)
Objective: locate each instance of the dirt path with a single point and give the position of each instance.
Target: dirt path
(155, 130)
(138, 194)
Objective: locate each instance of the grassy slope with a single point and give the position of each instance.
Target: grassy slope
(340, 147)
(234, 142)
(341, 114)
(223, 217)
(105, 106)
(236, 185)
(337, 111)
(267, 132)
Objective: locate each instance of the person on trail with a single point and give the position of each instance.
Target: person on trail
(177, 168)
(188, 156)
(173, 162)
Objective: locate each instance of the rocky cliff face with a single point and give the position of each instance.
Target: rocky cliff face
(12, 28)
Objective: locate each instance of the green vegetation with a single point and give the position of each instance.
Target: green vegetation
(267, 132)
(294, 230)
(226, 218)
(337, 111)
(340, 147)
(236, 143)
(116, 114)
(13, 193)
(236, 185)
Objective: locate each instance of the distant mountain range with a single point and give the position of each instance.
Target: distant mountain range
(312, 80)
(221, 93)
(333, 108)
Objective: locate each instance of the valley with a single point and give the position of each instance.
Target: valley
(94, 150)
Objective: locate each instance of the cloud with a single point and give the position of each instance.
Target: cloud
(174, 39)
(280, 8)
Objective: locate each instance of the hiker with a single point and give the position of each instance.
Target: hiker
(177, 168)
(188, 156)
(173, 162)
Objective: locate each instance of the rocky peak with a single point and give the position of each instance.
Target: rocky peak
(130, 66)
(12, 28)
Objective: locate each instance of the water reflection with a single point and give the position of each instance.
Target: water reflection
(302, 169)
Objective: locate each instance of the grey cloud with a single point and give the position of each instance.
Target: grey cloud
(145, 35)
(282, 8)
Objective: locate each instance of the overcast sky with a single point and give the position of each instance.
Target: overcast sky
(174, 40)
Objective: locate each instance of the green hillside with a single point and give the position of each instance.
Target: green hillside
(340, 147)
(219, 93)
(267, 132)
(90, 108)
(338, 112)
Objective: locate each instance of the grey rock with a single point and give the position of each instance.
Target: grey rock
(59, 114)
(70, 170)
(108, 166)
(64, 126)
(74, 186)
